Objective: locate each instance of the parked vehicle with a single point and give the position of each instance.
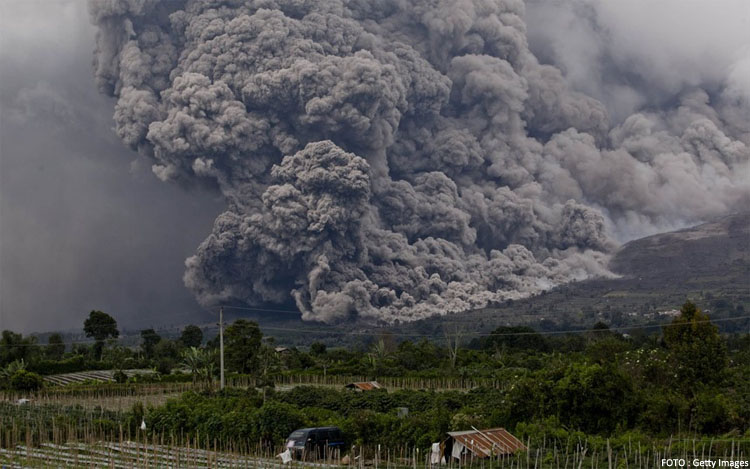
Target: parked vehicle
(315, 443)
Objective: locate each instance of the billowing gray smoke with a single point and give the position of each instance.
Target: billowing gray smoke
(394, 159)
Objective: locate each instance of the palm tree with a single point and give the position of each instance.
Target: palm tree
(208, 365)
(201, 363)
(11, 368)
(378, 353)
(192, 358)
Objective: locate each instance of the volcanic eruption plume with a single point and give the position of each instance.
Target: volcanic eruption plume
(393, 159)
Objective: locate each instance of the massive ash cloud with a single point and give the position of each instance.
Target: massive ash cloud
(397, 159)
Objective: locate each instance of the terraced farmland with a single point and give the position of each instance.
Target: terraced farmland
(110, 396)
(94, 375)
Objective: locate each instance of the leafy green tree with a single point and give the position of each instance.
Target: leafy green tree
(268, 364)
(167, 354)
(241, 345)
(191, 336)
(423, 355)
(11, 368)
(377, 354)
(83, 350)
(201, 363)
(192, 360)
(318, 349)
(606, 348)
(600, 331)
(696, 349)
(100, 326)
(294, 359)
(23, 380)
(740, 347)
(55, 347)
(712, 413)
(209, 365)
(14, 347)
(600, 327)
(276, 420)
(165, 365)
(117, 357)
(594, 398)
(662, 412)
(528, 398)
(149, 339)
(11, 347)
(515, 338)
(167, 348)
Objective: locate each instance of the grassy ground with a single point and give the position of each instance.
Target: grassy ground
(129, 454)
(26, 441)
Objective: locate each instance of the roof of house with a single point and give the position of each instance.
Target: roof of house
(495, 441)
(365, 385)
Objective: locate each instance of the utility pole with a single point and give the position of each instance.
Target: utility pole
(221, 347)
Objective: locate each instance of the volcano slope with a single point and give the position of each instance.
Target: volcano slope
(708, 264)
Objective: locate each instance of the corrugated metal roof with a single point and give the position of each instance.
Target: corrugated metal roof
(484, 443)
(365, 385)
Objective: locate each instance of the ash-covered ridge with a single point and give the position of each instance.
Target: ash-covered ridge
(392, 160)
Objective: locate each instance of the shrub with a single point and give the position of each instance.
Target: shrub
(165, 365)
(69, 365)
(662, 411)
(120, 377)
(276, 420)
(23, 380)
(594, 398)
(712, 413)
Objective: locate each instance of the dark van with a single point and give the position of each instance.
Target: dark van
(315, 443)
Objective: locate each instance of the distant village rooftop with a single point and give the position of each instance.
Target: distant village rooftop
(364, 386)
(484, 443)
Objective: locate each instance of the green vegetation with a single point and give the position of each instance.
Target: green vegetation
(686, 380)
(100, 326)
(243, 343)
(149, 339)
(55, 347)
(201, 363)
(697, 352)
(191, 336)
(683, 381)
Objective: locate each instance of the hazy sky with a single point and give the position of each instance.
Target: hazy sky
(81, 225)
(635, 53)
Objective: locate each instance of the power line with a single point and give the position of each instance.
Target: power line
(472, 320)
(266, 310)
(492, 334)
(437, 335)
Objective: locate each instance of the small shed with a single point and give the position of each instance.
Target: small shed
(482, 443)
(364, 386)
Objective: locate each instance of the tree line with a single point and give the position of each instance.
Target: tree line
(682, 377)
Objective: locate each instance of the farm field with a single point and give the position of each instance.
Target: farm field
(36, 435)
(597, 398)
(398, 234)
(109, 396)
(94, 375)
(130, 454)
(121, 397)
(143, 454)
(113, 402)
